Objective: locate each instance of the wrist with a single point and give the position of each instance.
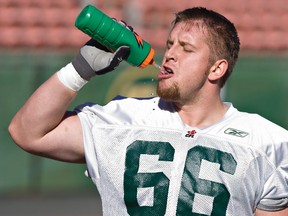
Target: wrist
(82, 66)
(70, 78)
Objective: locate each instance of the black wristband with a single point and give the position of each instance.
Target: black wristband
(82, 67)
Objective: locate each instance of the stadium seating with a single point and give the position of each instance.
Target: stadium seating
(50, 24)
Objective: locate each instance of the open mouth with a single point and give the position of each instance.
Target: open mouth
(165, 73)
(167, 70)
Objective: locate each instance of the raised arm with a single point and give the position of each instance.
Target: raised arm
(43, 126)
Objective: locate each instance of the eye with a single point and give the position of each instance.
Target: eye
(188, 49)
(169, 44)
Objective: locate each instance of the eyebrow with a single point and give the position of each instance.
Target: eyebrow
(182, 42)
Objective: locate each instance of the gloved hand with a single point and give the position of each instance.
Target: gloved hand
(95, 59)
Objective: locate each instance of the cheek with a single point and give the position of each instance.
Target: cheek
(192, 76)
(195, 66)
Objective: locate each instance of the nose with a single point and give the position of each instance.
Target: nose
(170, 54)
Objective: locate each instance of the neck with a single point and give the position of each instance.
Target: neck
(202, 113)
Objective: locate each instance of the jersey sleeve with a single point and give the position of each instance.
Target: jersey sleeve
(275, 193)
(271, 141)
(117, 112)
(87, 119)
(275, 190)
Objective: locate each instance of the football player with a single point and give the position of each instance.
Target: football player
(183, 152)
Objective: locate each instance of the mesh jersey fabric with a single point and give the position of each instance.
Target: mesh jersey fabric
(146, 161)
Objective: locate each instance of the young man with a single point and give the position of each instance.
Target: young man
(185, 152)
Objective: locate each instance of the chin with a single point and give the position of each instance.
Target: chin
(169, 94)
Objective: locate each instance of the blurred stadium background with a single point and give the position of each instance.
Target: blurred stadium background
(38, 37)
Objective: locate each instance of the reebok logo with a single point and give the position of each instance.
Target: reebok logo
(235, 132)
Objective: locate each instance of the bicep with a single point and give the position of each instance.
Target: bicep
(65, 142)
(283, 212)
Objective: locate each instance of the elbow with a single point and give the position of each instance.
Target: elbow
(18, 136)
(13, 132)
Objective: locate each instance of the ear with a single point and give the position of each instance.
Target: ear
(218, 70)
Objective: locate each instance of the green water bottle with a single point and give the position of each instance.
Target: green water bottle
(112, 35)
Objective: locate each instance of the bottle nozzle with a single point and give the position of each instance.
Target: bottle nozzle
(152, 62)
(156, 65)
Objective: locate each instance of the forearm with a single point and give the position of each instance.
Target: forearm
(42, 112)
(283, 212)
(41, 127)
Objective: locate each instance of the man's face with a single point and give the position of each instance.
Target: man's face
(185, 65)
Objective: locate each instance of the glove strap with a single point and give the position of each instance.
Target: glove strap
(82, 67)
(70, 78)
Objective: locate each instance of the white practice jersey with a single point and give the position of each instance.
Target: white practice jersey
(146, 161)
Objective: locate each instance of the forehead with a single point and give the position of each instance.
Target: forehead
(189, 29)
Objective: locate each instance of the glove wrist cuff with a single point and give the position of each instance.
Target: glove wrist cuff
(70, 78)
(82, 67)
